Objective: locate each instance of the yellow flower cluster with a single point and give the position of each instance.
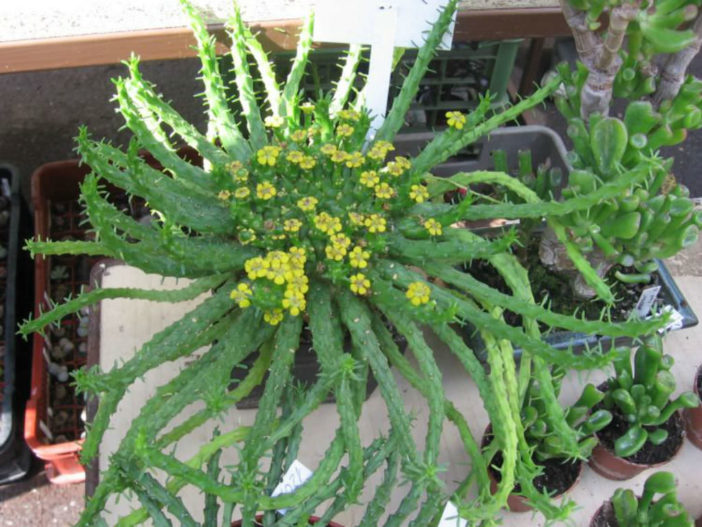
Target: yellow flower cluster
(379, 150)
(455, 120)
(349, 115)
(268, 155)
(265, 191)
(375, 223)
(398, 166)
(281, 268)
(274, 121)
(359, 284)
(419, 193)
(433, 226)
(418, 293)
(326, 223)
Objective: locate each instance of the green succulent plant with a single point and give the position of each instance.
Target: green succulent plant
(641, 396)
(293, 217)
(646, 511)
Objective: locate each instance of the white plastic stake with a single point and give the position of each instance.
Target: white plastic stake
(382, 25)
(295, 476)
(450, 517)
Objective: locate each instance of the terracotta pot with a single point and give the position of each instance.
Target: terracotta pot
(604, 517)
(516, 502)
(607, 464)
(693, 417)
(312, 521)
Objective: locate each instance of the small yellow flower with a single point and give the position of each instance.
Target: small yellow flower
(313, 130)
(418, 293)
(307, 107)
(242, 295)
(292, 225)
(273, 317)
(234, 167)
(277, 259)
(335, 252)
(377, 154)
(307, 203)
(340, 240)
(433, 226)
(328, 149)
(256, 267)
(339, 156)
(297, 256)
(326, 223)
(268, 155)
(224, 195)
(308, 163)
(294, 302)
(277, 274)
(274, 121)
(419, 193)
(299, 283)
(242, 193)
(295, 156)
(384, 191)
(354, 160)
(375, 223)
(265, 190)
(241, 176)
(359, 258)
(369, 178)
(356, 218)
(344, 130)
(299, 135)
(398, 166)
(385, 145)
(349, 115)
(455, 120)
(359, 284)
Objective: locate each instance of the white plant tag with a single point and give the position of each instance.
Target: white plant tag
(6, 187)
(450, 517)
(295, 476)
(383, 25)
(675, 322)
(645, 303)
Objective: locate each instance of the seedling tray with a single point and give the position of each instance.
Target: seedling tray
(15, 457)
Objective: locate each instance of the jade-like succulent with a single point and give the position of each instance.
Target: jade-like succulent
(649, 511)
(548, 443)
(641, 396)
(299, 215)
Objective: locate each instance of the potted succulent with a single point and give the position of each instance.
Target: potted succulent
(693, 416)
(558, 465)
(625, 509)
(300, 215)
(647, 428)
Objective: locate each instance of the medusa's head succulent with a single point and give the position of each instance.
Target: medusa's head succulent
(299, 215)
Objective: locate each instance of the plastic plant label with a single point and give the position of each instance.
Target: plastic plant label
(383, 25)
(6, 188)
(646, 300)
(675, 322)
(450, 517)
(295, 476)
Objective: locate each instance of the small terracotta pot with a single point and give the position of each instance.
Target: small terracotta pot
(516, 502)
(607, 464)
(693, 417)
(313, 520)
(604, 516)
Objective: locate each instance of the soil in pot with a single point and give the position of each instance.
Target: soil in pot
(557, 478)
(650, 454)
(604, 517)
(557, 289)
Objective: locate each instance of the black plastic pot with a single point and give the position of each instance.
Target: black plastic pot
(15, 456)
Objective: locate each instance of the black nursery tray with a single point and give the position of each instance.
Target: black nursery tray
(15, 457)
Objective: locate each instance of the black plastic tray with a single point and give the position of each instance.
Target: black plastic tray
(15, 456)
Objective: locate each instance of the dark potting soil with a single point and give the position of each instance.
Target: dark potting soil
(604, 517)
(555, 287)
(557, 477)
(649, 454)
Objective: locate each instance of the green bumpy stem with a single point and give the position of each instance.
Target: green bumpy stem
(346, 80)
(265, 68)
(74, 305)
(222, 123)
(50, 248)
(297, 70)
(451, 141)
